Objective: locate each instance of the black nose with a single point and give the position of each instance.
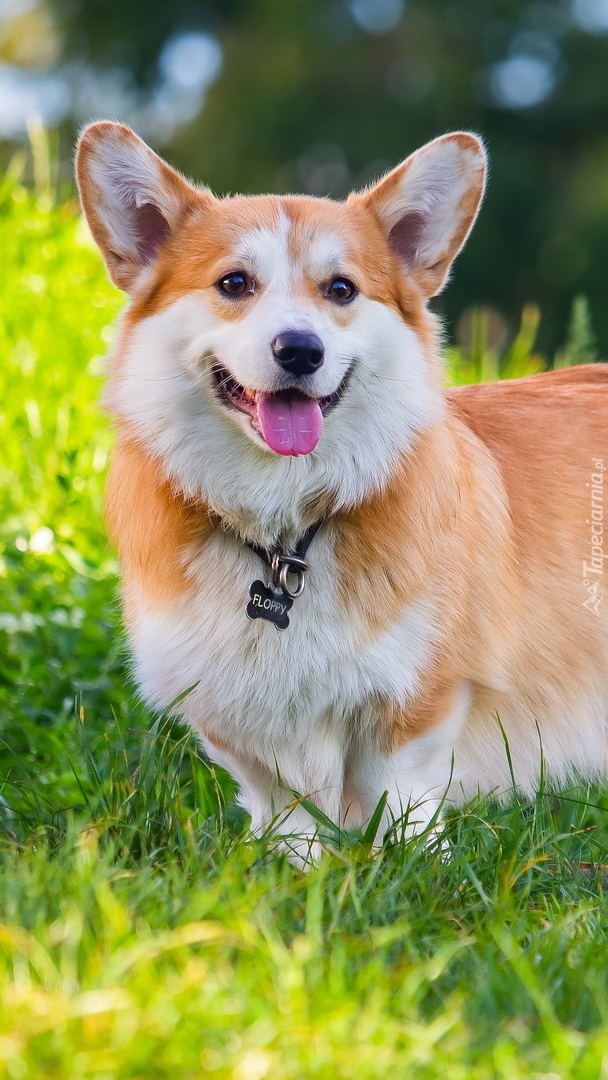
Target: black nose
(298, 351)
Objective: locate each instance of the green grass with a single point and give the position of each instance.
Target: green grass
(141, 934)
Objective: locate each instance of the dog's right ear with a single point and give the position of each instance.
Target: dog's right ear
(131, 198)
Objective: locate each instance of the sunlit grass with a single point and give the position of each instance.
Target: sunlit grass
(141, 934)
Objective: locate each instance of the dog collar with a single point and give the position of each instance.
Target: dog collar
(273, 603)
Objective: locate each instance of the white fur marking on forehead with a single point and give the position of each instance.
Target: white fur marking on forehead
(263, 250)
(266, 251)
(323, 255)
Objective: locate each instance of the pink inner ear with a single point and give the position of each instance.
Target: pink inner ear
(151, 230)
(406, 235)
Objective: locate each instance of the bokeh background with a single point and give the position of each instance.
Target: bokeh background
(322, 95)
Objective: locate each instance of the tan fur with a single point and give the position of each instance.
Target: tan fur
(490, 512)
(151, 525)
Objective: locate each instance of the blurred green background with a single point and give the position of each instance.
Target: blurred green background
(322, 95)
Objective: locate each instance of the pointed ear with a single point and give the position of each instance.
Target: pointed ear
(427, 205)
(131, 198)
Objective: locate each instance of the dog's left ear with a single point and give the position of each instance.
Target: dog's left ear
(427, 205)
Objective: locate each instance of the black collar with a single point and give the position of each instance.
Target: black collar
(283, 562)
(298, 553)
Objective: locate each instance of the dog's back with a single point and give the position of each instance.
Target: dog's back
(548, 435)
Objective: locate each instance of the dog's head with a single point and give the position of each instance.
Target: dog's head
(266, 328)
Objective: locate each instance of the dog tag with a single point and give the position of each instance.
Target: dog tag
(269, 604)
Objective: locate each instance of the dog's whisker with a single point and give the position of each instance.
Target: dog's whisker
(361, 383)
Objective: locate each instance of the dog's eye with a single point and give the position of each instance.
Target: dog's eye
(235, 284)
(341, 290)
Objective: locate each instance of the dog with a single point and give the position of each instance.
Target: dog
(354, 581)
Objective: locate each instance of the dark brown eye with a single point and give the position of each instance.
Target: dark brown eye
(341, 290)
(235, 284)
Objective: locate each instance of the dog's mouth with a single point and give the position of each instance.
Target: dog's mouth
(289, 421)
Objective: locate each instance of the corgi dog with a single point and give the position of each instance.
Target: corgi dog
(354, 580)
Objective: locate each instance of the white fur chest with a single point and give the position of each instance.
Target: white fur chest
(258, 689)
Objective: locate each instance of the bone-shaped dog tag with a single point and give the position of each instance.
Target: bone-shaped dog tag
(269, 604)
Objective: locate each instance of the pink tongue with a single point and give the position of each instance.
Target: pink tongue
(290, 422)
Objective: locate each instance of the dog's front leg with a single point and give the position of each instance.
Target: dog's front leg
(272, 791)
(416, 776)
